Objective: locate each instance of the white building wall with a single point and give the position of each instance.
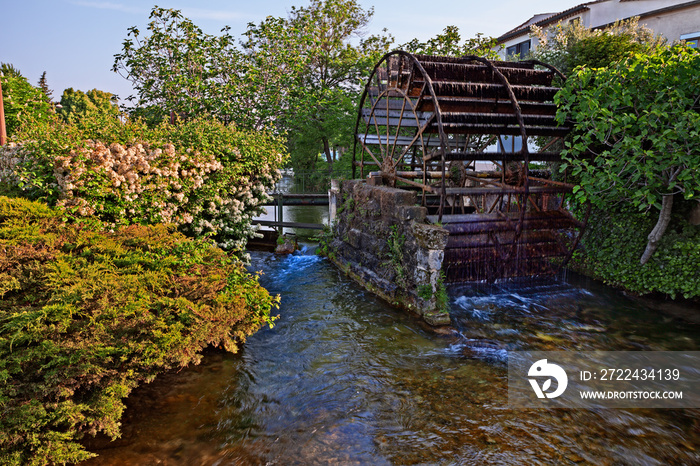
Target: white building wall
(673, 25)
(613, 10)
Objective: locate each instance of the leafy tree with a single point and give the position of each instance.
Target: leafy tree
(274, 60)
(300, 74)
(636, 127)
(180, 70)
(571, 45)
(44, 86)
(323, 97)
(450, 44)
(76, 105)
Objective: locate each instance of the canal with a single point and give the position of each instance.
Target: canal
(343, 378)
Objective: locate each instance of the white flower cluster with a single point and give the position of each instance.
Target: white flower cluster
(142, 184)
(11, 157)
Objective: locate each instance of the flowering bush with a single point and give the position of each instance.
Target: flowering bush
(204, 177)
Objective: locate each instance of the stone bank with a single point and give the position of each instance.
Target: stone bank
(381, 240)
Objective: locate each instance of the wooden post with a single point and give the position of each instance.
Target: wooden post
(280, 213)
(3, 131)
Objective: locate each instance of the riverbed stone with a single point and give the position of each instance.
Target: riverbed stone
(437, 319)
(287, 246)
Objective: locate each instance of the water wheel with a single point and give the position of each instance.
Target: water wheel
(461, 130)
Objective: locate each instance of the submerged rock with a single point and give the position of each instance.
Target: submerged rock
(287, 245)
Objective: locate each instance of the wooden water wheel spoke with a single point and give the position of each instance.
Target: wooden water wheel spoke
(463, 126)
(419, 135)
(533, 202)
(371, 154)
(497, 201)
(398, 130)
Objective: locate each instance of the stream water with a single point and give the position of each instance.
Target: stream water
(343, 378)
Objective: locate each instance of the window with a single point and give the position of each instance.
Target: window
(518, 50)
(692, 39)
(575, 20)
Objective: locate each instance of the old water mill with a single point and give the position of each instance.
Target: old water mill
(446, 142)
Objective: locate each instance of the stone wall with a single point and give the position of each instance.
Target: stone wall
(381, 240)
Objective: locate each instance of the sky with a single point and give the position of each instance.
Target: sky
(75, 41)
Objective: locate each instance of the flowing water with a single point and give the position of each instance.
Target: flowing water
(343, 378)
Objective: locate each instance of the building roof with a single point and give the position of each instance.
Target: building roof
(534, 19)
(538, 20)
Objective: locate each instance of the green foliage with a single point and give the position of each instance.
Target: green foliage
(450, 44)
(572, 44)
(181, 70)
(207, 178)
(636, 127)
(300, 74)
(325, 238)
(87, 315)
(22, 102)
(613, 243)
(76, 105)
(324, 68)
(7, 69)
(442, 299)
(425, 291)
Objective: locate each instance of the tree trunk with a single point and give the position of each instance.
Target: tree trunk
(329, 156)
(660, 228)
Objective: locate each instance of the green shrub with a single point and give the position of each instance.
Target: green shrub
(614, 241)
(77, 104)
(87, 315)
(23, 101)
(635, 131)
(205, 177)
